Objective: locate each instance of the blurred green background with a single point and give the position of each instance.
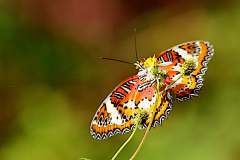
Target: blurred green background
(52, 81)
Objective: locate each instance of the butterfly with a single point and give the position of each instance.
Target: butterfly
(178, 71)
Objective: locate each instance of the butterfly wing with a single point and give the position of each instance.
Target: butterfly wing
(114, 116)
(117, 113)
(174, 59)
(161, 112)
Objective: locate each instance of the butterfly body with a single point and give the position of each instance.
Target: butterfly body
(175, 73)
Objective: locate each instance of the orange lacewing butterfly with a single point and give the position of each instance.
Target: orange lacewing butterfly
(179, 71)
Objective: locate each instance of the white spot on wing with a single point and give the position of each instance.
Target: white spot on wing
(94, 122)
(113, 111)
(126, 89)
(129, 104)
(183, 53)
(145, 104)
(165, 64)
(176, 68)
(177, 79)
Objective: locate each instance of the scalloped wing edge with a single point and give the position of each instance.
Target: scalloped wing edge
(199, 76)
(116, 131)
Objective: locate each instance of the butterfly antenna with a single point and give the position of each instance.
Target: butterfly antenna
(118, 60)
(135, 44)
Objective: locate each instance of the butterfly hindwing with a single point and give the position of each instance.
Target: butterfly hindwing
(161, 112)
(175, 59)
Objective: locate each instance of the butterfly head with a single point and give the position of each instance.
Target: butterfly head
(151, 64)
(149, 69)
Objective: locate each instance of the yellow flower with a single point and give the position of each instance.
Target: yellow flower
(150, 62)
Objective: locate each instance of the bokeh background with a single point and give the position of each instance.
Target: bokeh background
(52, 80)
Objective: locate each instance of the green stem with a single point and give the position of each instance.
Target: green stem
(149, 125)
(143, 139)
(172, 83)
(129, 138)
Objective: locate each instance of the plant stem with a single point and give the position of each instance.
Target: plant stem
(152, 113)
(152, 116)
(149, 125)
(143, 139)
(129, 138)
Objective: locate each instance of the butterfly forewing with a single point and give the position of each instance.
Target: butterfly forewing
(117, 113)
(189, 84)
(113, 117)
